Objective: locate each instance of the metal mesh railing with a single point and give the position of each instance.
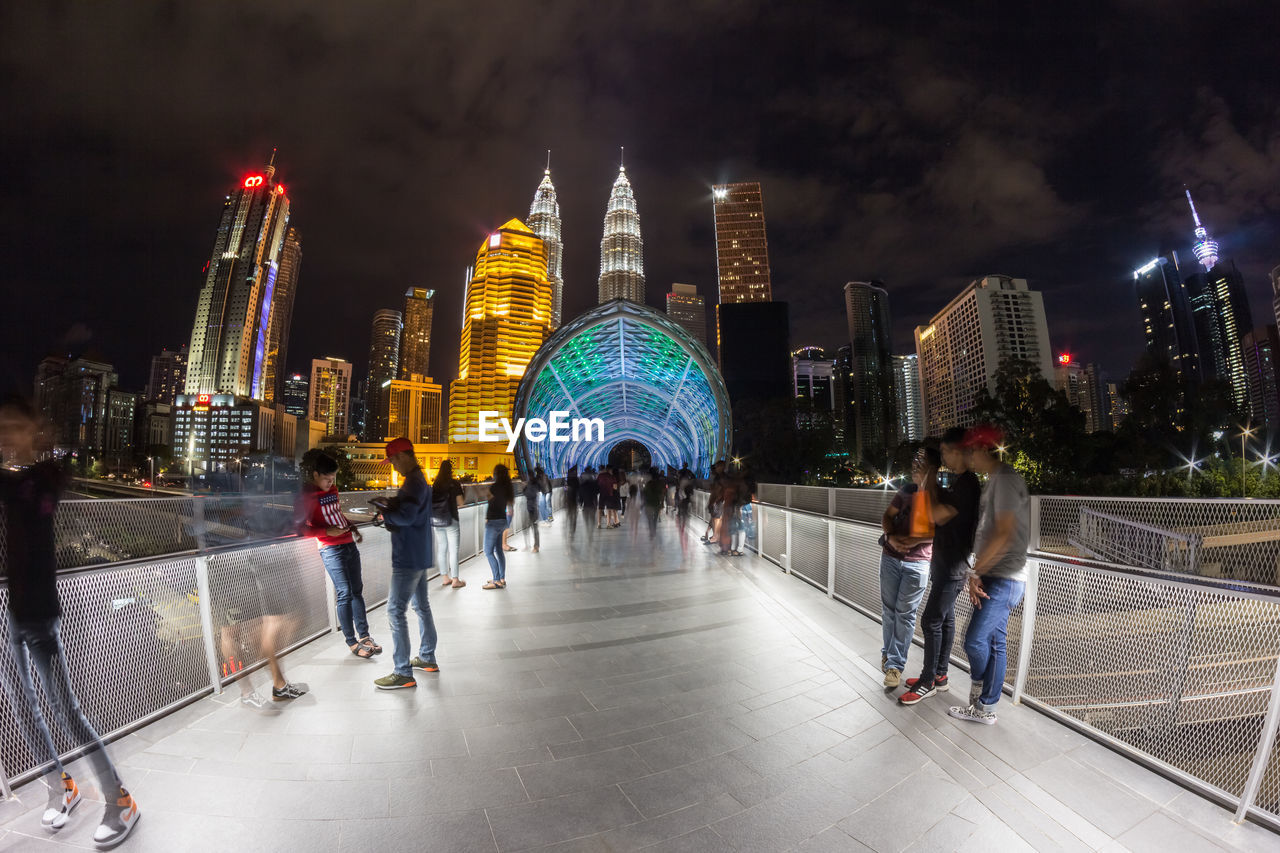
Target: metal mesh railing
(1181, 675)
(1232, 539)
(134, 633)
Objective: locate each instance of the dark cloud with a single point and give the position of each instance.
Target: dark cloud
(925, 146)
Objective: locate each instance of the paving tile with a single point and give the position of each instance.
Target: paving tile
(905, 812)
(832, 840)
(599, 769)
(1084, 790)
(509, 738)
(779, 716)
(703, 840)
(950, 833)
(694, 744)
(549, 821)
(526, 709)
(788, 747)
(800, 812)
(393, 747)
(689, 784)
(456, 833)
(1159, 832)
(636, 715)
(462, 792)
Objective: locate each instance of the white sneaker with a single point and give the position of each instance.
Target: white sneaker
(973, 714)
(61, 806)
(117, 822)
(975, 693)
(892, 677)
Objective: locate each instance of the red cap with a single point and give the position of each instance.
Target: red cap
(983, 435)
(397, 445)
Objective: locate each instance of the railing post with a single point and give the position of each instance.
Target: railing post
(831, 558)
(1266, 743)
(5, 790)
(204, 598)
(1028, 629)
(831, 502)
(1034, 539)
(786, 562)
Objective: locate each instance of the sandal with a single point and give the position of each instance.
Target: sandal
(447, 580)
(459, 583)
(502, 584)
(373, 647)
(509, 548)
(360, 650)
(491, 585)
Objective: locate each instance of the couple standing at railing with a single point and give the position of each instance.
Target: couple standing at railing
(929, 534)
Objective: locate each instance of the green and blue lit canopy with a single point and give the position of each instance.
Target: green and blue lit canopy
(640, 373)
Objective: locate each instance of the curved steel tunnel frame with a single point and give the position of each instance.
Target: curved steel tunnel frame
(689, 442)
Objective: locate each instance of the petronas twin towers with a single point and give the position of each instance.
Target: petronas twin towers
(621, 248)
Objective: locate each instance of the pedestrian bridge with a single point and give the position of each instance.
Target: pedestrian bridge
(625, 693)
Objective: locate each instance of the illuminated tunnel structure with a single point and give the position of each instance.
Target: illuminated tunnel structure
(640, 373)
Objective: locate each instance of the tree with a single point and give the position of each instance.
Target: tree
(1043, 431)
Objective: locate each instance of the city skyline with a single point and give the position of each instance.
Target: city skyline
(1071, 215)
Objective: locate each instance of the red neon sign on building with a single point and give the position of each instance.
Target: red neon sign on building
(1065, 358)
(253, 181)
(202, 399)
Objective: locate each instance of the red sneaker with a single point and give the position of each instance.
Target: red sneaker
(941, 683)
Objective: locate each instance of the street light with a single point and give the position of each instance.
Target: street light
(1245, 432)
(152, 460)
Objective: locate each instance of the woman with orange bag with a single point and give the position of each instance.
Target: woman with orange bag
(907, 544)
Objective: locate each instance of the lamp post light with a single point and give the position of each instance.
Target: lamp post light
(1245, 432)
(152, 460)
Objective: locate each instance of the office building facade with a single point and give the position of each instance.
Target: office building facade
(384, 366)
(906, 386)
(875, 424)
(1261, 352)
(330, 395)
(994, 319)
(413, 410)
(243, 297)
(297, 394)
(813, 383)
(507, 317)
(689, 310)
(415, 335)
(742, 247)
(168, 375)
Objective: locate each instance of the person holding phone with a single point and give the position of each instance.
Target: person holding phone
(408, 519)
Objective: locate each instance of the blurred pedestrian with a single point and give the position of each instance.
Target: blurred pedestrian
(29, 491)
(904, 568)
(533, 506)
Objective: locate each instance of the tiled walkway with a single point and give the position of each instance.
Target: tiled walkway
(622, 695)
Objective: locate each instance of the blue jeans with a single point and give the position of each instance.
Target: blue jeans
(984, 641)
(445, 541)
(902, 586)
(409, 586)
(342, 562)
(493, 547)
(544, 505)
(41, 644)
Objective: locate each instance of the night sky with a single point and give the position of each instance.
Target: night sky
(924, 146)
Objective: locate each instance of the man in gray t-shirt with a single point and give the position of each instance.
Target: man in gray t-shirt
(999, 572)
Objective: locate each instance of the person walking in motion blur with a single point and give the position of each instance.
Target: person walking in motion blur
(904, 567)
(533, 505)
(30, 491)
(571, 486)
(655, 490)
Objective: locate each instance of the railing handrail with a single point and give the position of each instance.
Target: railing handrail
(1189, 538)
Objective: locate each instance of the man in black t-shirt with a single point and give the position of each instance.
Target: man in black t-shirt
(955, 516)
(30, 491)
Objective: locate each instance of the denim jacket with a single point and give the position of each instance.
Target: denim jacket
(409, 517)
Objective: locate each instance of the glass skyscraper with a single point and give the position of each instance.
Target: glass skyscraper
(384, 366)
(544, 219)
(621, 248)
(1168, 320)
(742, 251)
(874, 403)
(242, 315)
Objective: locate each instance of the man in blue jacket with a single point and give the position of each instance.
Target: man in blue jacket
(408, 519)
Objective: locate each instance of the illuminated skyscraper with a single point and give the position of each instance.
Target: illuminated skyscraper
(330, 394)
(508, 316)
(413, 410)
(415, 339)
(232, 335)
(1262, 364)
(168, 375)
(1168, 320)
(1205, 248)
(993, 320)
(621, 249)
(742, 252)
(544, 219)
(384, 363)
(875, 426)
(297, 391)
(906, 385)
(281, 317)
(1275, 294)
(1082, 383)
(811, 373)
(687, 308)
